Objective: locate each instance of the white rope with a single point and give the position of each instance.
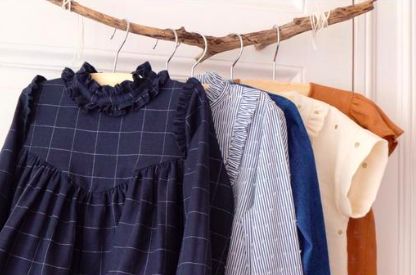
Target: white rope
(318, 20)
(66, 4)
(79, 29)
(79, 48)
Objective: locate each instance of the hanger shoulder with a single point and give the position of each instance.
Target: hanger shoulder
(206, 86)
(111, 79)
(273, 86)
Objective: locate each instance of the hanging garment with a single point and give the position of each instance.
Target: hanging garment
(361, 235)
(346, 155)
(305, 187)
(362, 245)
(113, 180)
(252, 135)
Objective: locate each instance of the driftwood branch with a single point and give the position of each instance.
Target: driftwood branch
(221, 44)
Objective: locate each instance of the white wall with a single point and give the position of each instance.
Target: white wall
(39, 38)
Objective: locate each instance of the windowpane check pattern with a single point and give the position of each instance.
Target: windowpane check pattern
(113, 180)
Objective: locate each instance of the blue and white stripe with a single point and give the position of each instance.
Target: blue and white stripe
(252, 134)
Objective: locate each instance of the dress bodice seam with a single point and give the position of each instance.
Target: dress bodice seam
(41, 163)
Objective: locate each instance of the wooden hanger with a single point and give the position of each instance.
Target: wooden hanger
(114, 78)
(276, 87)
(273, 86)
(111, 79)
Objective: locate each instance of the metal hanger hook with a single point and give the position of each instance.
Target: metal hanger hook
(202, 55)
(177, 44)
(277, 50)
(239, 55)
(122, 43)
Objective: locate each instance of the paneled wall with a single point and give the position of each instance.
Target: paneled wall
(39, 38)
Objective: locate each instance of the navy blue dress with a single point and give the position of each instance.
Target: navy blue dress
(113, 180)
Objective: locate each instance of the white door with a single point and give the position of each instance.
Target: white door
(37, 37)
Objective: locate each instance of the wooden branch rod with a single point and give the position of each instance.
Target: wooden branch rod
(229, 42)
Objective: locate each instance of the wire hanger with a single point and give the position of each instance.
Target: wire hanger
(177, 44)
(273, 86)
(122, 43)
(238, 57)
(336, 16)
(276, 51)
(202, 55)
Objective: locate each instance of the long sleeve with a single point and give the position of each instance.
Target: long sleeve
(206, 189)
(11, 148)
(306, 196)
(308, 205)
(270, 223)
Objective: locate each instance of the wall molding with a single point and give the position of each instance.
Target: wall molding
(365, 55)
(293, 6)
(371, 55)
(281, 6)
(47, 58)
(407, 112)
(374, 69)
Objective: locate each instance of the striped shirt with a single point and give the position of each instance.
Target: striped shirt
(252, 134)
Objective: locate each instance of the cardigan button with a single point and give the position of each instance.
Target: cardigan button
(357, 144)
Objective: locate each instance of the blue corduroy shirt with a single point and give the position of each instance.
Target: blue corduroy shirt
(306, 195)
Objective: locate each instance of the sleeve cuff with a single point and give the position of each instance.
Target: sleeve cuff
(360, 174)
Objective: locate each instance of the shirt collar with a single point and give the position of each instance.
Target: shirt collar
(217, 86)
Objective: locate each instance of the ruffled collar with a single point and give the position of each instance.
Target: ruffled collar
(126, 96)
(312, 111)
(217, 86)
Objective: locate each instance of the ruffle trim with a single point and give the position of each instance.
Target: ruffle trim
(28, 98)
(184, 99)
(217, 86)
(127, 96)
(370, 116)
(312, 111)
(316, 118)
(246, 110)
